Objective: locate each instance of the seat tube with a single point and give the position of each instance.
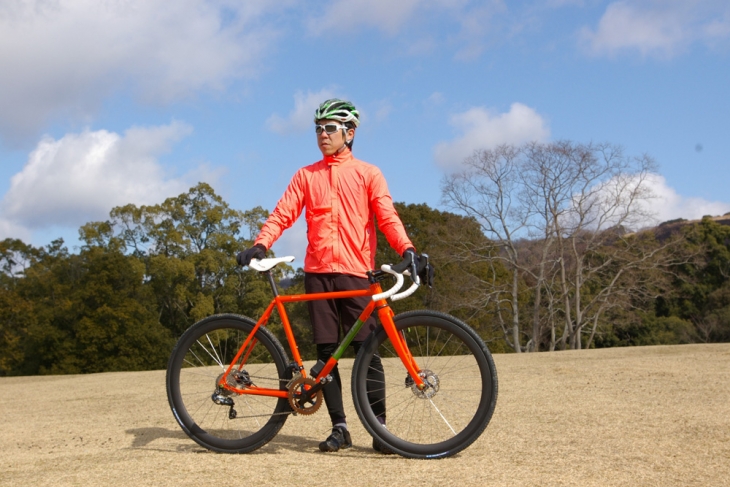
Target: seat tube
(294, 348)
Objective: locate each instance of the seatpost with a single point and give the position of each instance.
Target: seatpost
(272, 283)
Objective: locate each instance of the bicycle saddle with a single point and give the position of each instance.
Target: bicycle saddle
(262, 265)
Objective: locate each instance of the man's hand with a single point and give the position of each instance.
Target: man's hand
(244, 258)
(417, 265)
(410, 260)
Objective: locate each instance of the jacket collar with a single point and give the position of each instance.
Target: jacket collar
(342, 156)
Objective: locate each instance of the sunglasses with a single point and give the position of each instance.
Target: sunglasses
(330, 128)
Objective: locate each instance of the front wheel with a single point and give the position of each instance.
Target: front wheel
(454, 409)
(217, 418)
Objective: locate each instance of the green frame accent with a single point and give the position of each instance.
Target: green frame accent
(348, 339)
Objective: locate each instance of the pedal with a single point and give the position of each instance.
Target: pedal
(316, 369)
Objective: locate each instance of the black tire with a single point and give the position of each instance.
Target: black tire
(201, 355)
(445, 419)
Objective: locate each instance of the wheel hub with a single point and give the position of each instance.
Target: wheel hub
(238, 379)
(430, 379)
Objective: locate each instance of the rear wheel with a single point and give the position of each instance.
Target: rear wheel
(217, 418)
(455, 408)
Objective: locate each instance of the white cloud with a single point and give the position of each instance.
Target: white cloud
(341, 16)
(564, 3)
(669, 205)
(477, 26)
(80, 177)
(435, 98)
(658, 28)
(64, 57)
(301, 117)
(9, 229)
(464, 24)
(383, 109)
(483, 129)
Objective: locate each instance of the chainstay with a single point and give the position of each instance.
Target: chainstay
(268, 378)
(263, 415)
(266, 415)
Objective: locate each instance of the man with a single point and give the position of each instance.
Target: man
(342, 196)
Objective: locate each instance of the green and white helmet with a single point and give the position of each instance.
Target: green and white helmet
(340, 110)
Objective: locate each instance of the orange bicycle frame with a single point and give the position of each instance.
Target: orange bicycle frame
(385, 314)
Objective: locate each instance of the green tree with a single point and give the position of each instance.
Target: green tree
(89, 313)
(188, 244)
(15, 311)
(701, 289)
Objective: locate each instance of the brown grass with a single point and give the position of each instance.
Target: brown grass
(630, 416)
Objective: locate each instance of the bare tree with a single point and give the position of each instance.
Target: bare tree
(487, 189)
(561, 215)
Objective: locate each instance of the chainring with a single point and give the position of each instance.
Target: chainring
(296, 387)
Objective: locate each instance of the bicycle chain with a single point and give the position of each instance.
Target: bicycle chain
(286, 413)
(294, 386)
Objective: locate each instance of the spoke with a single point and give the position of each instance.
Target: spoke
(442, 416)
(214, 350)
(220, 364)
(197, 372)
(202, 364)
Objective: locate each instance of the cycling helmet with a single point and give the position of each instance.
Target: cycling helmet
(340, 110)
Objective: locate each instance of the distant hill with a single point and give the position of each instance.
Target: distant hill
(669, 227)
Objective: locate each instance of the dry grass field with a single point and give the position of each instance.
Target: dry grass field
(629, 416)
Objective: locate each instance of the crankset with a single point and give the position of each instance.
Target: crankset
(305, 395)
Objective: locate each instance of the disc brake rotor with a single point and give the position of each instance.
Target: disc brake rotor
(432, 384)
(296, 388)
(238, 379)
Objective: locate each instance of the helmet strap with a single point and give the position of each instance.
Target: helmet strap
(347, 143)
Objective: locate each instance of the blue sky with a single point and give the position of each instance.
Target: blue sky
(104, 103)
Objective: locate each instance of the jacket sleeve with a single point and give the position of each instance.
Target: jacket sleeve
(388, 220)
(286, 212)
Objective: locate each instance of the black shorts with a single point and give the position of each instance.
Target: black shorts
(329, 316)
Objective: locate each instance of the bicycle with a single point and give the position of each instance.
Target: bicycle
(231, 385)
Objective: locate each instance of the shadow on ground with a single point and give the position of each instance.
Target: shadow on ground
(144, 437)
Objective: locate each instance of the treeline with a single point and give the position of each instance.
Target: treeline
(137, 282)
(143, 276)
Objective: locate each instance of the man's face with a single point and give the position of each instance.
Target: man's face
(329, 144)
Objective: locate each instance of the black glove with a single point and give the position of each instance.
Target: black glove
(418, 265)
(425, 271)
(410, 261)
(258, 251)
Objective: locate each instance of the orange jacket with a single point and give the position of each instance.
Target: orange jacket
(342, 195)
